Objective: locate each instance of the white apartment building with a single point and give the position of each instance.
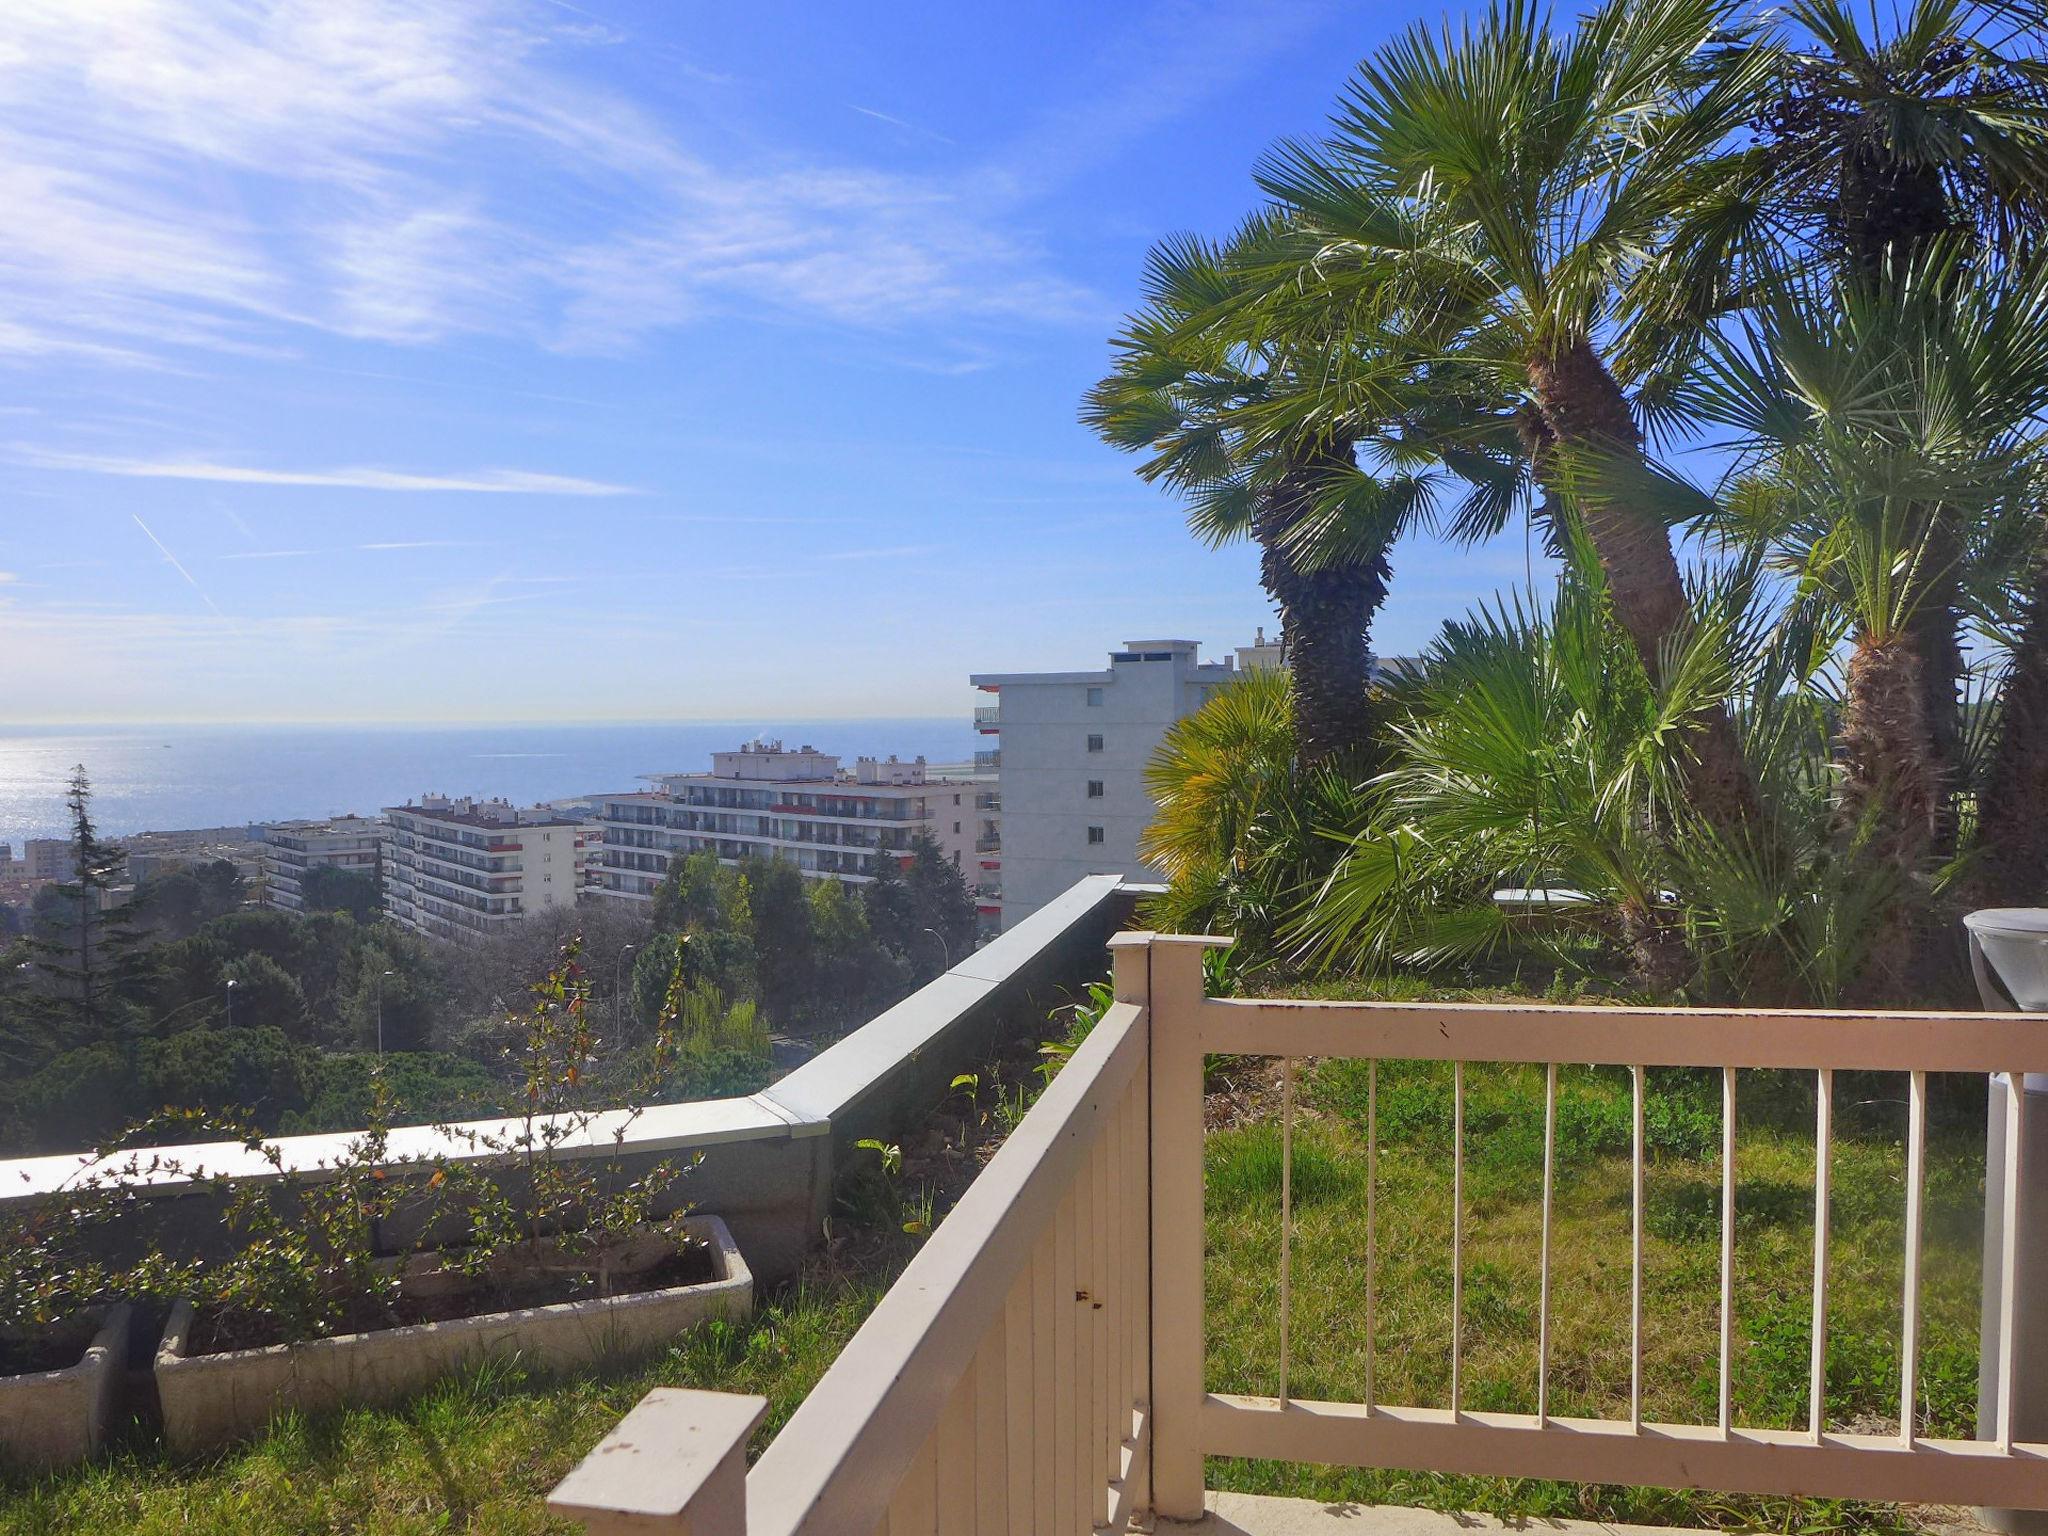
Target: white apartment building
(764, 800)
(462, 867)
(293, 848)
(1070, 791)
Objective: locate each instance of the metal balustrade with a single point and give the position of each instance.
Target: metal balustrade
(1039, 1366)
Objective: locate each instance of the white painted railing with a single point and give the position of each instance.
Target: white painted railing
(1039, 1365)
(1000, 1385)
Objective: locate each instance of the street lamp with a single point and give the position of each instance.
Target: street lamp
(232, 984)
(618, 971)
(945, 949)
(382, 977)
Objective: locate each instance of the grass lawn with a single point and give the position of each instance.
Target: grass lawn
(478, 1453)
(1590, 1351)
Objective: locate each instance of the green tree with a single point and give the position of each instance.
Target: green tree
(265, 996)
(784, 963)
(254, 1071)
(892, 910)
(1882, 136)
(942, 906)
(1882, 426)
(85, 952)
(178, 904)
(854, 975)
(354, 891)
(390, 980)
(1205, 389)
(1519, 186)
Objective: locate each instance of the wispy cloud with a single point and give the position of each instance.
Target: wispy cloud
(501, 482)
(183, 174)
(179, 566)
(897, 122)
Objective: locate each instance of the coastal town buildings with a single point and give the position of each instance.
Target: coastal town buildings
(461, 867)
(48, 858)
(292, 849)
(766, 800)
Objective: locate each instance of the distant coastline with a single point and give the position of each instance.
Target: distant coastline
(169, 777)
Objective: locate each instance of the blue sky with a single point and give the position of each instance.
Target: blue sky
(520, 359)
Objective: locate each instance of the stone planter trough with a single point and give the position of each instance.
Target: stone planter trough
(59, 1418)
(210, 1399)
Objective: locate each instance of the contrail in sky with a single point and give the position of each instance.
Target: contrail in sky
(179, 566)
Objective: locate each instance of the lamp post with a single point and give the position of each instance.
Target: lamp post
(232, 984)
(382, 977)
(618, 973)
(945, 949)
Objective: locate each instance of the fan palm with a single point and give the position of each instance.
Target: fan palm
(1527, 178)
(1197, 392)
(1240, 824)
(1874, 419)
(1874, 142)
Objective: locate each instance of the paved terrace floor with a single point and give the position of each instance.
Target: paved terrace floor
(1251, 1514)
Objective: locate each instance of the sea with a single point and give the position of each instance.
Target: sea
(162, 778)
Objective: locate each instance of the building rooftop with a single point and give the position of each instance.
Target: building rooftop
(339, 826)
(488, 820)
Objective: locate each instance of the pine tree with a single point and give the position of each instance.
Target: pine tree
(942, 904)
(85, 951)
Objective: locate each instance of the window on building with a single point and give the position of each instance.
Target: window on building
(1095, 834)
(1095, 789)
(1095, 698)
(956, 799)
(956, 828)
(1094, 743)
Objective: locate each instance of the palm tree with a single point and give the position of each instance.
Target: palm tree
(1872, 145)
(1524, 180)
(1200, 393)
(1876, 421)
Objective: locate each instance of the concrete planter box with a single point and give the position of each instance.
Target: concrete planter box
(59, 1418)
(209, 1399)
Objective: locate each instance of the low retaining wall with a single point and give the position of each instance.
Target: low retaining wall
(765, 1162)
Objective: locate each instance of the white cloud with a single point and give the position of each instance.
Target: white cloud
(183, 173)
(503, 482)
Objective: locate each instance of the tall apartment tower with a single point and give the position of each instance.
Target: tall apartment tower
(1071, 775)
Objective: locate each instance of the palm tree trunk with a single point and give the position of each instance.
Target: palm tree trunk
(1890, 806)
(1584, 411)
(2012, 812)
(1935, 640)
(1326, 615)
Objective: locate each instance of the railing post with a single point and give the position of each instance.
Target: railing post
(1174, 1003)
(676, 1464)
